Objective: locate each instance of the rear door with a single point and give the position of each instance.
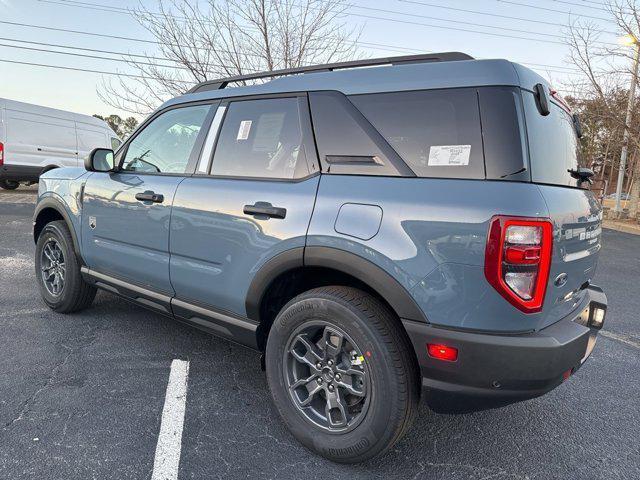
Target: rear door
(126, 215)
(253, 203)
(574, 211)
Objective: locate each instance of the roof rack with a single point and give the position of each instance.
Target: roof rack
(328, 67)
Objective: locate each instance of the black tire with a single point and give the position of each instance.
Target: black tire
(75, 294)
(387, 358)
(9, 184)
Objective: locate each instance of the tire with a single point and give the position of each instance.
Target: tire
(389, 376)
(74, 294)
(9, 184)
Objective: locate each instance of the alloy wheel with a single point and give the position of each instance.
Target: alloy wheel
(327, 377)
(52, 267)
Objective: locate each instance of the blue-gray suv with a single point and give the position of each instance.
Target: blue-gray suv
(421, 224)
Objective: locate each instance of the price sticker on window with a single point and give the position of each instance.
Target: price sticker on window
(449, 155)
(244, 129)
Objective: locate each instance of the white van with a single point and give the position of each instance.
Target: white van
(34, 139)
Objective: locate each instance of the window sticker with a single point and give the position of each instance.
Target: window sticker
(244, 129)
(449, 155)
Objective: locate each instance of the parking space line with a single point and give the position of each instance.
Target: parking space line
(620, 338)
(167, 457)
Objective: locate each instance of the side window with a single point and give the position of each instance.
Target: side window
(165, 144)
(437, 132)
(347, 143)
(262, 139)
(115, 143)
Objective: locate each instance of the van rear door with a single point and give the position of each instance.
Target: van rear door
(575, 212)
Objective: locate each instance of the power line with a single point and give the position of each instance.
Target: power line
(93, 6)
(526, 5)
(393, 48)
(61, 67)
(496, 15)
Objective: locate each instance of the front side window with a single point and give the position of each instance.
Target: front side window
(115, 143)
(437, 133)
(261, 139)
(165, 144)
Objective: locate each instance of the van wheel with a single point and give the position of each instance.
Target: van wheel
(342, 373)
(9, 184)
(58, 271)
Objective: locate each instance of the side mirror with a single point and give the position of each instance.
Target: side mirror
(100, 160)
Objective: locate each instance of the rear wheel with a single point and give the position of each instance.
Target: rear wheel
(9, 184)
(342, 373)
(58, 271)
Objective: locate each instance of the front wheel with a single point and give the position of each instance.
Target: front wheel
(342, 373)
(9, 184)
(58, 271)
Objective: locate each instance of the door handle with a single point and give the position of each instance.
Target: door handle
(150, 196)
(265, 209)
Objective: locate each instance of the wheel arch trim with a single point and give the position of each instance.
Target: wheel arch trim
(54, 204)
(342, 261)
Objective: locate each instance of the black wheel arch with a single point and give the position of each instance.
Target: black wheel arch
(368, 273)
(48, 210)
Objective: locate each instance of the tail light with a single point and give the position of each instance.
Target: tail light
(1, 154)
(518, 258)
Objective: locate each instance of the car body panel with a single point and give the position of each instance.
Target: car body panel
(216, 249)
(432, 240)
(129, 238)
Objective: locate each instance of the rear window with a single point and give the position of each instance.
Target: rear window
(437, 132)
(553, 144)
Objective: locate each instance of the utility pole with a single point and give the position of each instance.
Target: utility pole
(627, 125)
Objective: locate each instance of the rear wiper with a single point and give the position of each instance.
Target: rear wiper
(582, 174)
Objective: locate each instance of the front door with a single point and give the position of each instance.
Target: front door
(254, 202)
(126, 215)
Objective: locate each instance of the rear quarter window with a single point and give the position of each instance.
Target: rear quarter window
(437, 132)
(553, 144)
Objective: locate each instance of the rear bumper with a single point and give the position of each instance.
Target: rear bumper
(20, 173)
(516, 366)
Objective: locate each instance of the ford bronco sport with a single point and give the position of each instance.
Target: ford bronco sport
(422, 222)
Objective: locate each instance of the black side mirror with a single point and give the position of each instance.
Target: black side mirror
(542, 99)
(100, 160)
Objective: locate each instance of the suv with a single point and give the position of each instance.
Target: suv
(371, 231)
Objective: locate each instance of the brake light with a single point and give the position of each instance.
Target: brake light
(518, 259)
(1, 154)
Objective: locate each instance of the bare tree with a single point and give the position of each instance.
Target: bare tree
(226, 38)
(607, 71)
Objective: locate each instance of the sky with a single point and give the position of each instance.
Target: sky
(525, 31)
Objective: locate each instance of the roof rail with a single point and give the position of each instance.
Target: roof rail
(328, 67)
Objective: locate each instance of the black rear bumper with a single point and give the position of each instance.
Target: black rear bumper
(521, 366)
(20, 173)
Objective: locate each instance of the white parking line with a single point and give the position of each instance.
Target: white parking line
(167, 459)
(620, 338)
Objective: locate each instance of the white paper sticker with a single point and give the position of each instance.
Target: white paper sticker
(449, 155)
(243, 131)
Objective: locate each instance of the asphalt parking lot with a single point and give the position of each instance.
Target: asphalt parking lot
(81, 396)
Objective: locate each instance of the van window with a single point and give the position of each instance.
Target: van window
(437, 132)
(261, 139)
(165, 144)
(553, 144)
